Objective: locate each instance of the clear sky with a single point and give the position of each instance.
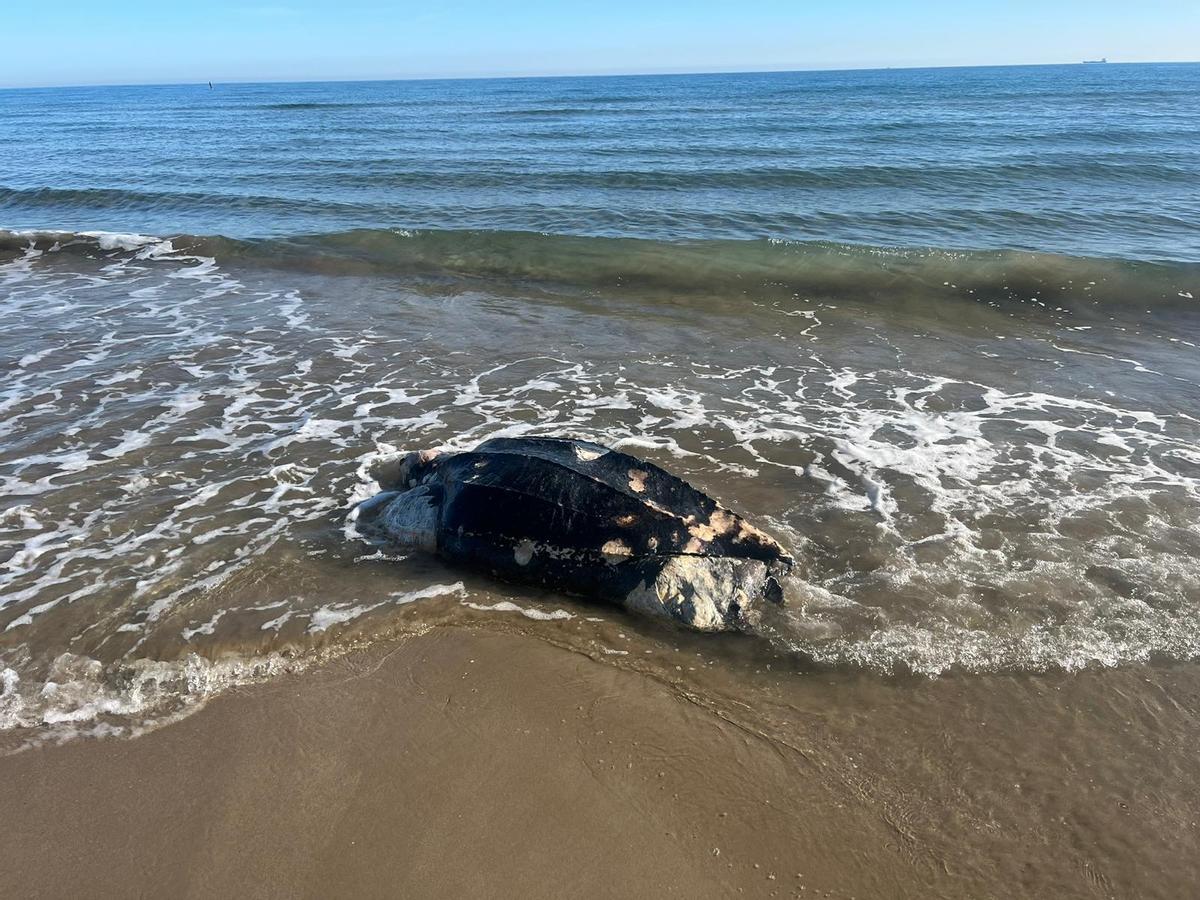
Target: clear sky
(147, 41)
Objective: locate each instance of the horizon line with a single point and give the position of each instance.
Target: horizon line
(638, 74)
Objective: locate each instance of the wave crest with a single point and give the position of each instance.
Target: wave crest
(761, 268)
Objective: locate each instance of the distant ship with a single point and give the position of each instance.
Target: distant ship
(1095, 62)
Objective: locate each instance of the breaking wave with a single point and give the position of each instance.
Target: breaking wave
(765, 267)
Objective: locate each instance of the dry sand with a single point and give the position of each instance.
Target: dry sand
(464, 763)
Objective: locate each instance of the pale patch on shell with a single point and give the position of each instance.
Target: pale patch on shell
(747, 532)
(637, 480)
(626, 520)
(721, 522)
(615, 550)
(586, 455)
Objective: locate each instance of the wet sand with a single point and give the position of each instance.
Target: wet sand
(471, 763)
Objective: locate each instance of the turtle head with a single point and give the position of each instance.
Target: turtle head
(399, 473)
(402, 518)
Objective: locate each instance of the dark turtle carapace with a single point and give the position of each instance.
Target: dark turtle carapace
(578, 517)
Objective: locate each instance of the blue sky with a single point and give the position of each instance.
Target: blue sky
(135, 41)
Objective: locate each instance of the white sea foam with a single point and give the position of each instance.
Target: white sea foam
(82, 690)
(527, 612)
(339, 614)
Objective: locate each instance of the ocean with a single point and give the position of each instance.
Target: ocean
(935, 329)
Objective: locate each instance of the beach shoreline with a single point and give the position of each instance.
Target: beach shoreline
(466, 762)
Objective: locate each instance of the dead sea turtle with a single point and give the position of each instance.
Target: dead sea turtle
(578, 517)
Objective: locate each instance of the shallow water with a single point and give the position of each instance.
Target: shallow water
(981, 486)
(984, 460)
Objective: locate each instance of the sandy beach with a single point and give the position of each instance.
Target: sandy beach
(464, 762)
